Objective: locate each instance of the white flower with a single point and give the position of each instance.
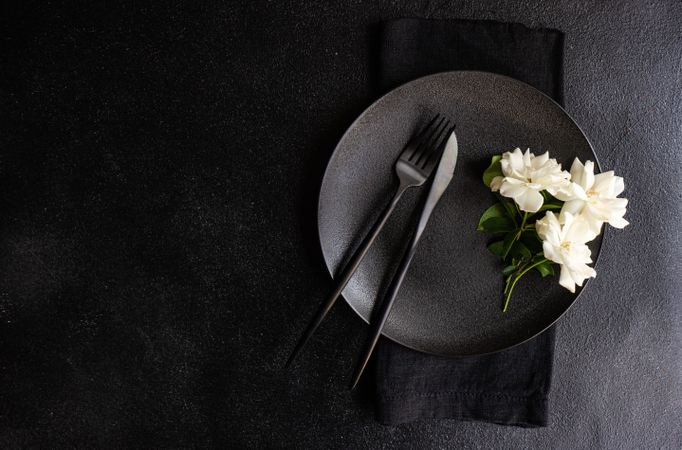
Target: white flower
(594, 197)
(526, 175)
(565, 245)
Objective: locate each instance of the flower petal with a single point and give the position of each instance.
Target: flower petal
(571, 191)
(566, 280)
(582, 273)
(550, 252)
(583, 174)
(572, 207)
(495, 183)
(529, 200)
(577, 169)
(527, 158)
(580, 231)
(604, 184)
(618, 222)
(540, 160)
(619, 186)
(512, 163)
(579, 254)
(610, 210)
(549, 229)
(588, 175)
(512, 187)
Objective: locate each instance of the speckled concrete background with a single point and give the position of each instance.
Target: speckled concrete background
(158, 177)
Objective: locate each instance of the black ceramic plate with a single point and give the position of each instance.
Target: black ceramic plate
(450, 302)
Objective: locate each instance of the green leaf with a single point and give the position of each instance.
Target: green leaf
(507, 243)
(552, 206)
(549, 197)
(496, 210)
(545, 268)
(510, 208)
(551, 202)
(521, 251)
(496, 248)
(508, 270)
(501, 223)
(532, 241)
(494, 170)
(496, 225)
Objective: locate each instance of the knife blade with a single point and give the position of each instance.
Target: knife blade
(444, 174)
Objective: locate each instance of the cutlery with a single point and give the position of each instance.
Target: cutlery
(413, 167)
(441, 180)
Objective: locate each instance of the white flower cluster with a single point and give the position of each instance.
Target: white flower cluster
(589, 201)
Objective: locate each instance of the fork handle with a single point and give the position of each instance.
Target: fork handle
(348, 272)
(377, 324)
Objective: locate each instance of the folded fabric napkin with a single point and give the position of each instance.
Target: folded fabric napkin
(508, 387)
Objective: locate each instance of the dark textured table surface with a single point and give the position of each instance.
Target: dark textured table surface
(159, 167)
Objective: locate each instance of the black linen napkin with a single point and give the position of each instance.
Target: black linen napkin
(508, 387)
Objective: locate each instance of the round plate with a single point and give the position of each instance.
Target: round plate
(450, 301)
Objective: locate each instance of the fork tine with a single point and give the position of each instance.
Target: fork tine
(432, 158)
(423, 145)
(425, 129)
(432, 144)
(414, 144)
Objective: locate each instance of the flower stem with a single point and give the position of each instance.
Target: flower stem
(506, 284)
(523, 271)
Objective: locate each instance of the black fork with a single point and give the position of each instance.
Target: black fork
(413, 167)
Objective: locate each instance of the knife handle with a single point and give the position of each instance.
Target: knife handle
(347, 273)
(385, 308)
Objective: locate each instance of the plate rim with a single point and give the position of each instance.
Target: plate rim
(334, 153)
